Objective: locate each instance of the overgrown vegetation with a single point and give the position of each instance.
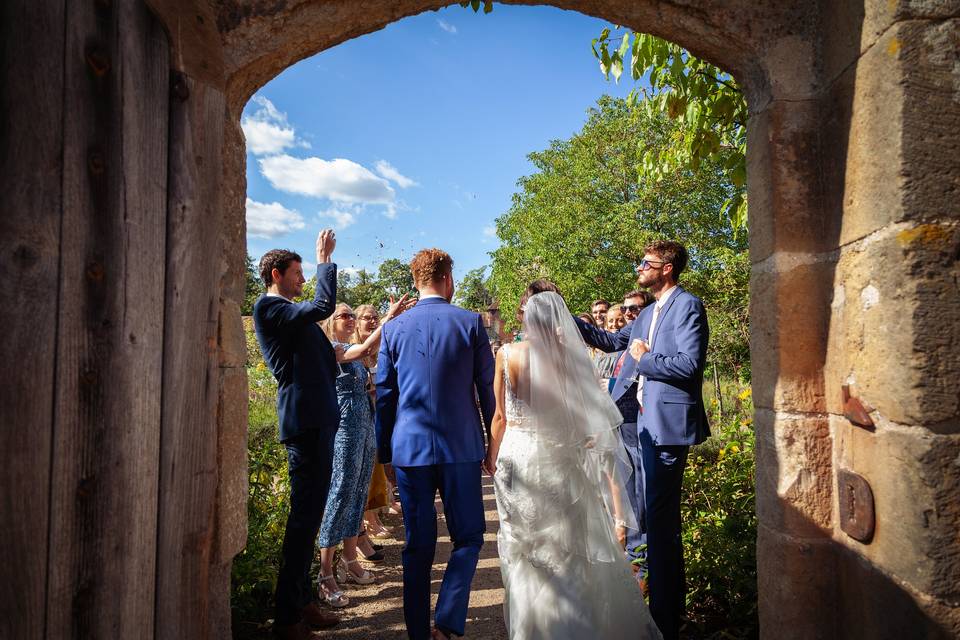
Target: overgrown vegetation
(720, 522)
(255, 568)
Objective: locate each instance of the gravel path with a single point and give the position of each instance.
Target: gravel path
(376, 611)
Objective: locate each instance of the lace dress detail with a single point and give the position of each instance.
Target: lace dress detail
(557, 587)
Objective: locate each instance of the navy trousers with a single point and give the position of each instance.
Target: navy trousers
(633, 477)
(663, 467)
(462, 496)
(309, 463)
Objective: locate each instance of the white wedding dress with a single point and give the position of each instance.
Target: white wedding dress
(564, 573)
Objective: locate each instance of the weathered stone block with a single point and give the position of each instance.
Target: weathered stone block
(896, 323)
(794, 479)
(796, 586)
(876, 605)
(852, 28)
(915, 478)
(928, 56)
(789, 316)
(784, 182)
(861, 115)
(890, 116)
(232, 460)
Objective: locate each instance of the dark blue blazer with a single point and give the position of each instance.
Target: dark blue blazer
(435, 362)
(301, 357)
(673, 409)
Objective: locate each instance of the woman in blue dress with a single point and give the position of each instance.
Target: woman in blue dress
(354, 451)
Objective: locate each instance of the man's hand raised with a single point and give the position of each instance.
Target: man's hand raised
(326, 243)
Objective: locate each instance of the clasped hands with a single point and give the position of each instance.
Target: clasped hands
(638, 348)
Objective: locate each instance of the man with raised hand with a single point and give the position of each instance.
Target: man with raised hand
(305, 365)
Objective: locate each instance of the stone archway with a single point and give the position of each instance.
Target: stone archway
(127, 465)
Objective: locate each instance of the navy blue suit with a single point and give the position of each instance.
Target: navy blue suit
(304, 364)
(435, 364)
(671, 419)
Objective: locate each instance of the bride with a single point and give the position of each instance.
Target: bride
(554, 457)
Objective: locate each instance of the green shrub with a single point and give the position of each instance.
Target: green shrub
(720, 524)
(255, 568)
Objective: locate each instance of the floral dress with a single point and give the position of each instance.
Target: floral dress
(354, 451)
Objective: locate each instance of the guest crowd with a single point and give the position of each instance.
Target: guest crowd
(338, 487)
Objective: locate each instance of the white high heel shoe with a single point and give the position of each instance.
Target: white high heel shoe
(336, 599)
(364, 578)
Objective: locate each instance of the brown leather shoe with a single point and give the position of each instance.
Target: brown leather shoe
(299, 631)
(316, 617)
(436, 634)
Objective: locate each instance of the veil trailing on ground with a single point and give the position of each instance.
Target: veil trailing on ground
(573, 411)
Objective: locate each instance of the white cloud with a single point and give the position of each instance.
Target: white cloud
(267, 129)
(490, 231)
(339, 180)
(446, 26)
(271, 220)
(308, 268)
(341, 218)
(388, 171)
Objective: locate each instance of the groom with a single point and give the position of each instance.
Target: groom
(435, 361)
(668, 349)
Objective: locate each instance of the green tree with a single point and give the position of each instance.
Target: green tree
(703, 99)
(254, 287)
(583, 218)
(473, 292)
(395, 277)
(361, 287)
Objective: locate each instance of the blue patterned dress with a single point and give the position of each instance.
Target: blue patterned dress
(354, 451)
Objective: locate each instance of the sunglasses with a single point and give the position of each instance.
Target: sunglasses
(349, 316)
(633, 308)
(369, 318)
(646, 265)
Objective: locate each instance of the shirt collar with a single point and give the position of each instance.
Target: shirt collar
(665, 296)
(271, 294)
(432, 295)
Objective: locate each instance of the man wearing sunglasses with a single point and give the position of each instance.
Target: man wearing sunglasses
(633, 303)
(667, 353)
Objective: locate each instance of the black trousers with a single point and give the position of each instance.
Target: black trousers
(309, 464)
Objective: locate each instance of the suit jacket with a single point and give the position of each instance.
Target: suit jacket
(301, 357)
(435, 362)
(673, 409)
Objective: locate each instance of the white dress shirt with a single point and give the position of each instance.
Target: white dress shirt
(653, 327)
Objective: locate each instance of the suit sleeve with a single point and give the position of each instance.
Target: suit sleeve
(279, 317)
(484, 367)
(602, 339)
(692, 334)
(387, 394)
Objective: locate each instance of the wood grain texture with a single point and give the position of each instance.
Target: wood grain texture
(109, 354)
(31, 120)
(186, 546)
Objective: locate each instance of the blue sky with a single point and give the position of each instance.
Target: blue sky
(414, 136)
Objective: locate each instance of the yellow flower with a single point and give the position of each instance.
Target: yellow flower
(734, 449)
(746, 393)
(723, 452)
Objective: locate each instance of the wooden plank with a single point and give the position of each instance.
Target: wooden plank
(31, 120)
(186, 547)
(106, 437)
